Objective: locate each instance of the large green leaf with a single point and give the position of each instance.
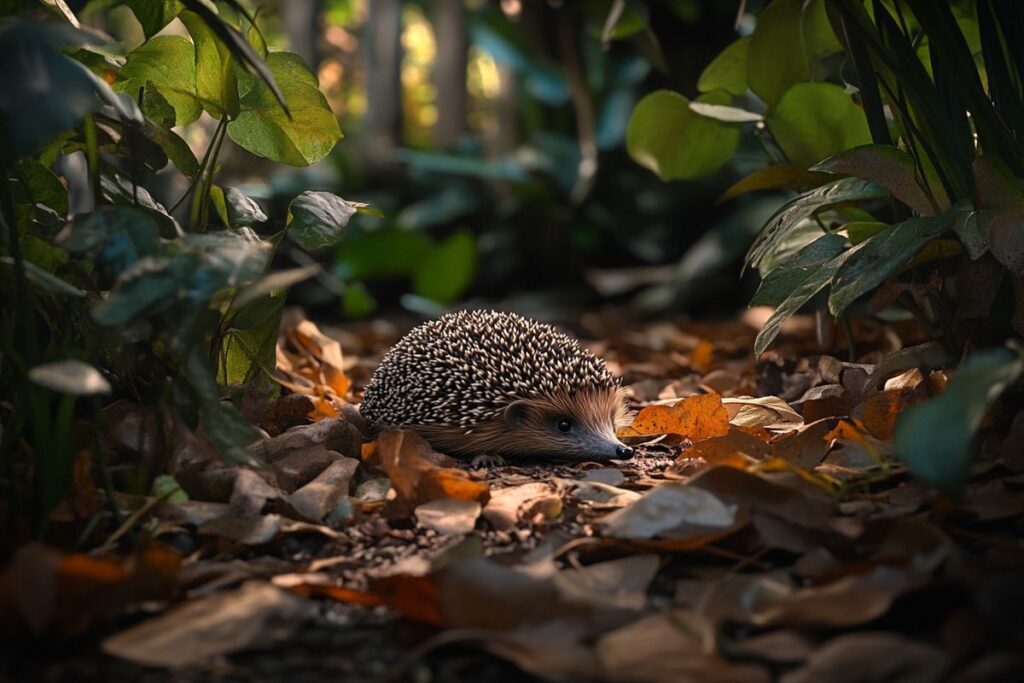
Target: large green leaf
(447, 269)
(881, 256)
(888, 166)
(265, 129)
(250, 343)
(776, 177)
(776, 230)
(776, 58)
(674, 141)
(382, 253)
(216, 82)
(727, 71)
(934, 438)
(784, 280)
(813, 121)
(169, 62)
(318, 219)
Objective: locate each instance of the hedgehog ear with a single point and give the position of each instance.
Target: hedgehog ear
(516, 413)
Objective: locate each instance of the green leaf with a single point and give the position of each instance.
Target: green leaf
(154, 14)
(223, 425)
(447, 270)
(934, 438)
(70, 377)
(776, 177)
(806, 282)
(250, 344)
(318, 219)
(881, 256)
(667, 137)
(216, 83)
(156, 107)
(776, 230)
(265, 129)
(119, 191)
(784, 280)
(382, 253)
(726, 114)
(167, 488)
(40, 185)
(819, 40)
(813, 121)
(888, 166)
(169, 62)
(242, 210)
(275, 282)
(776, 59)
(727, 71)
(357, 302)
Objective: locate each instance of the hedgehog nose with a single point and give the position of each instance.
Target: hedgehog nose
(623, 452)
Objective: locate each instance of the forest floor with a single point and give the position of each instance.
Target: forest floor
(763, 532)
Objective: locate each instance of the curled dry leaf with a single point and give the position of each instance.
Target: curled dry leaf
(508, 505)
(677, 512)
(404, 457)
(770, 412)
(872, 656)
(311, 363)
(694, 418)
(256, 615)
(448, 516)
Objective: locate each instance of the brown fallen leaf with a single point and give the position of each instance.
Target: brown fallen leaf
(256, 615)
(404, 457)
(676, 647)
(694, 418)
(448, 516)
(770, 412)
(66, 594)
(872, 656)
(506, 506)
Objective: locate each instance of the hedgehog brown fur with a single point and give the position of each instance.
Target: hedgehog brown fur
(484, 383)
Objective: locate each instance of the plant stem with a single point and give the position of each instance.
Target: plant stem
(197, 216)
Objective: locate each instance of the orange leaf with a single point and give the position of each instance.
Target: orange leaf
(696, 418)
(701, 356)
(405, 457)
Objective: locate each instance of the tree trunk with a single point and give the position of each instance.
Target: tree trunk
(383, 120)
(450, 71)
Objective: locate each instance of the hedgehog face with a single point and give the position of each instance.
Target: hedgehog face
(578, 426)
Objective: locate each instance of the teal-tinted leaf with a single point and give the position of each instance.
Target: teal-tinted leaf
(215, 80)
(241, 209)
(784, 280)
(934, 438)
(806, 281)
(888, 166)
(505, 42)
(119, 191)
(45, 279)
(813, 121)
(154, 14)
(726, 114)
(447, 270)
(222, 424)
(275, 282)
(70, 377)
(169, 62)
(727, 71)
(42, 92)
(675, 142)
(118, 235)
(881, 256)
(793, 213)
(318, 219)
(265, 129)
(776, 59)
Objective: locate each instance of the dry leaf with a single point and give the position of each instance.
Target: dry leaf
(447, 516)
(694, 418)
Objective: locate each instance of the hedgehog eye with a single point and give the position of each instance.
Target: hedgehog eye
(564, 425)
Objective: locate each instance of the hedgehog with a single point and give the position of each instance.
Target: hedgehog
(492, 386)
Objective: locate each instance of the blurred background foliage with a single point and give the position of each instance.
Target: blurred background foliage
(491, 137)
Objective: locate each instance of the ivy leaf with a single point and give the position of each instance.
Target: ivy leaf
(169, 63)
(266, 130)
(154, 14)
(727, 71)
(215, 80)
(934, 438)
(318, 219)
(813, 121)
(674, 141)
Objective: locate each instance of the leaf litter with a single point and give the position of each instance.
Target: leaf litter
(765, 531)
